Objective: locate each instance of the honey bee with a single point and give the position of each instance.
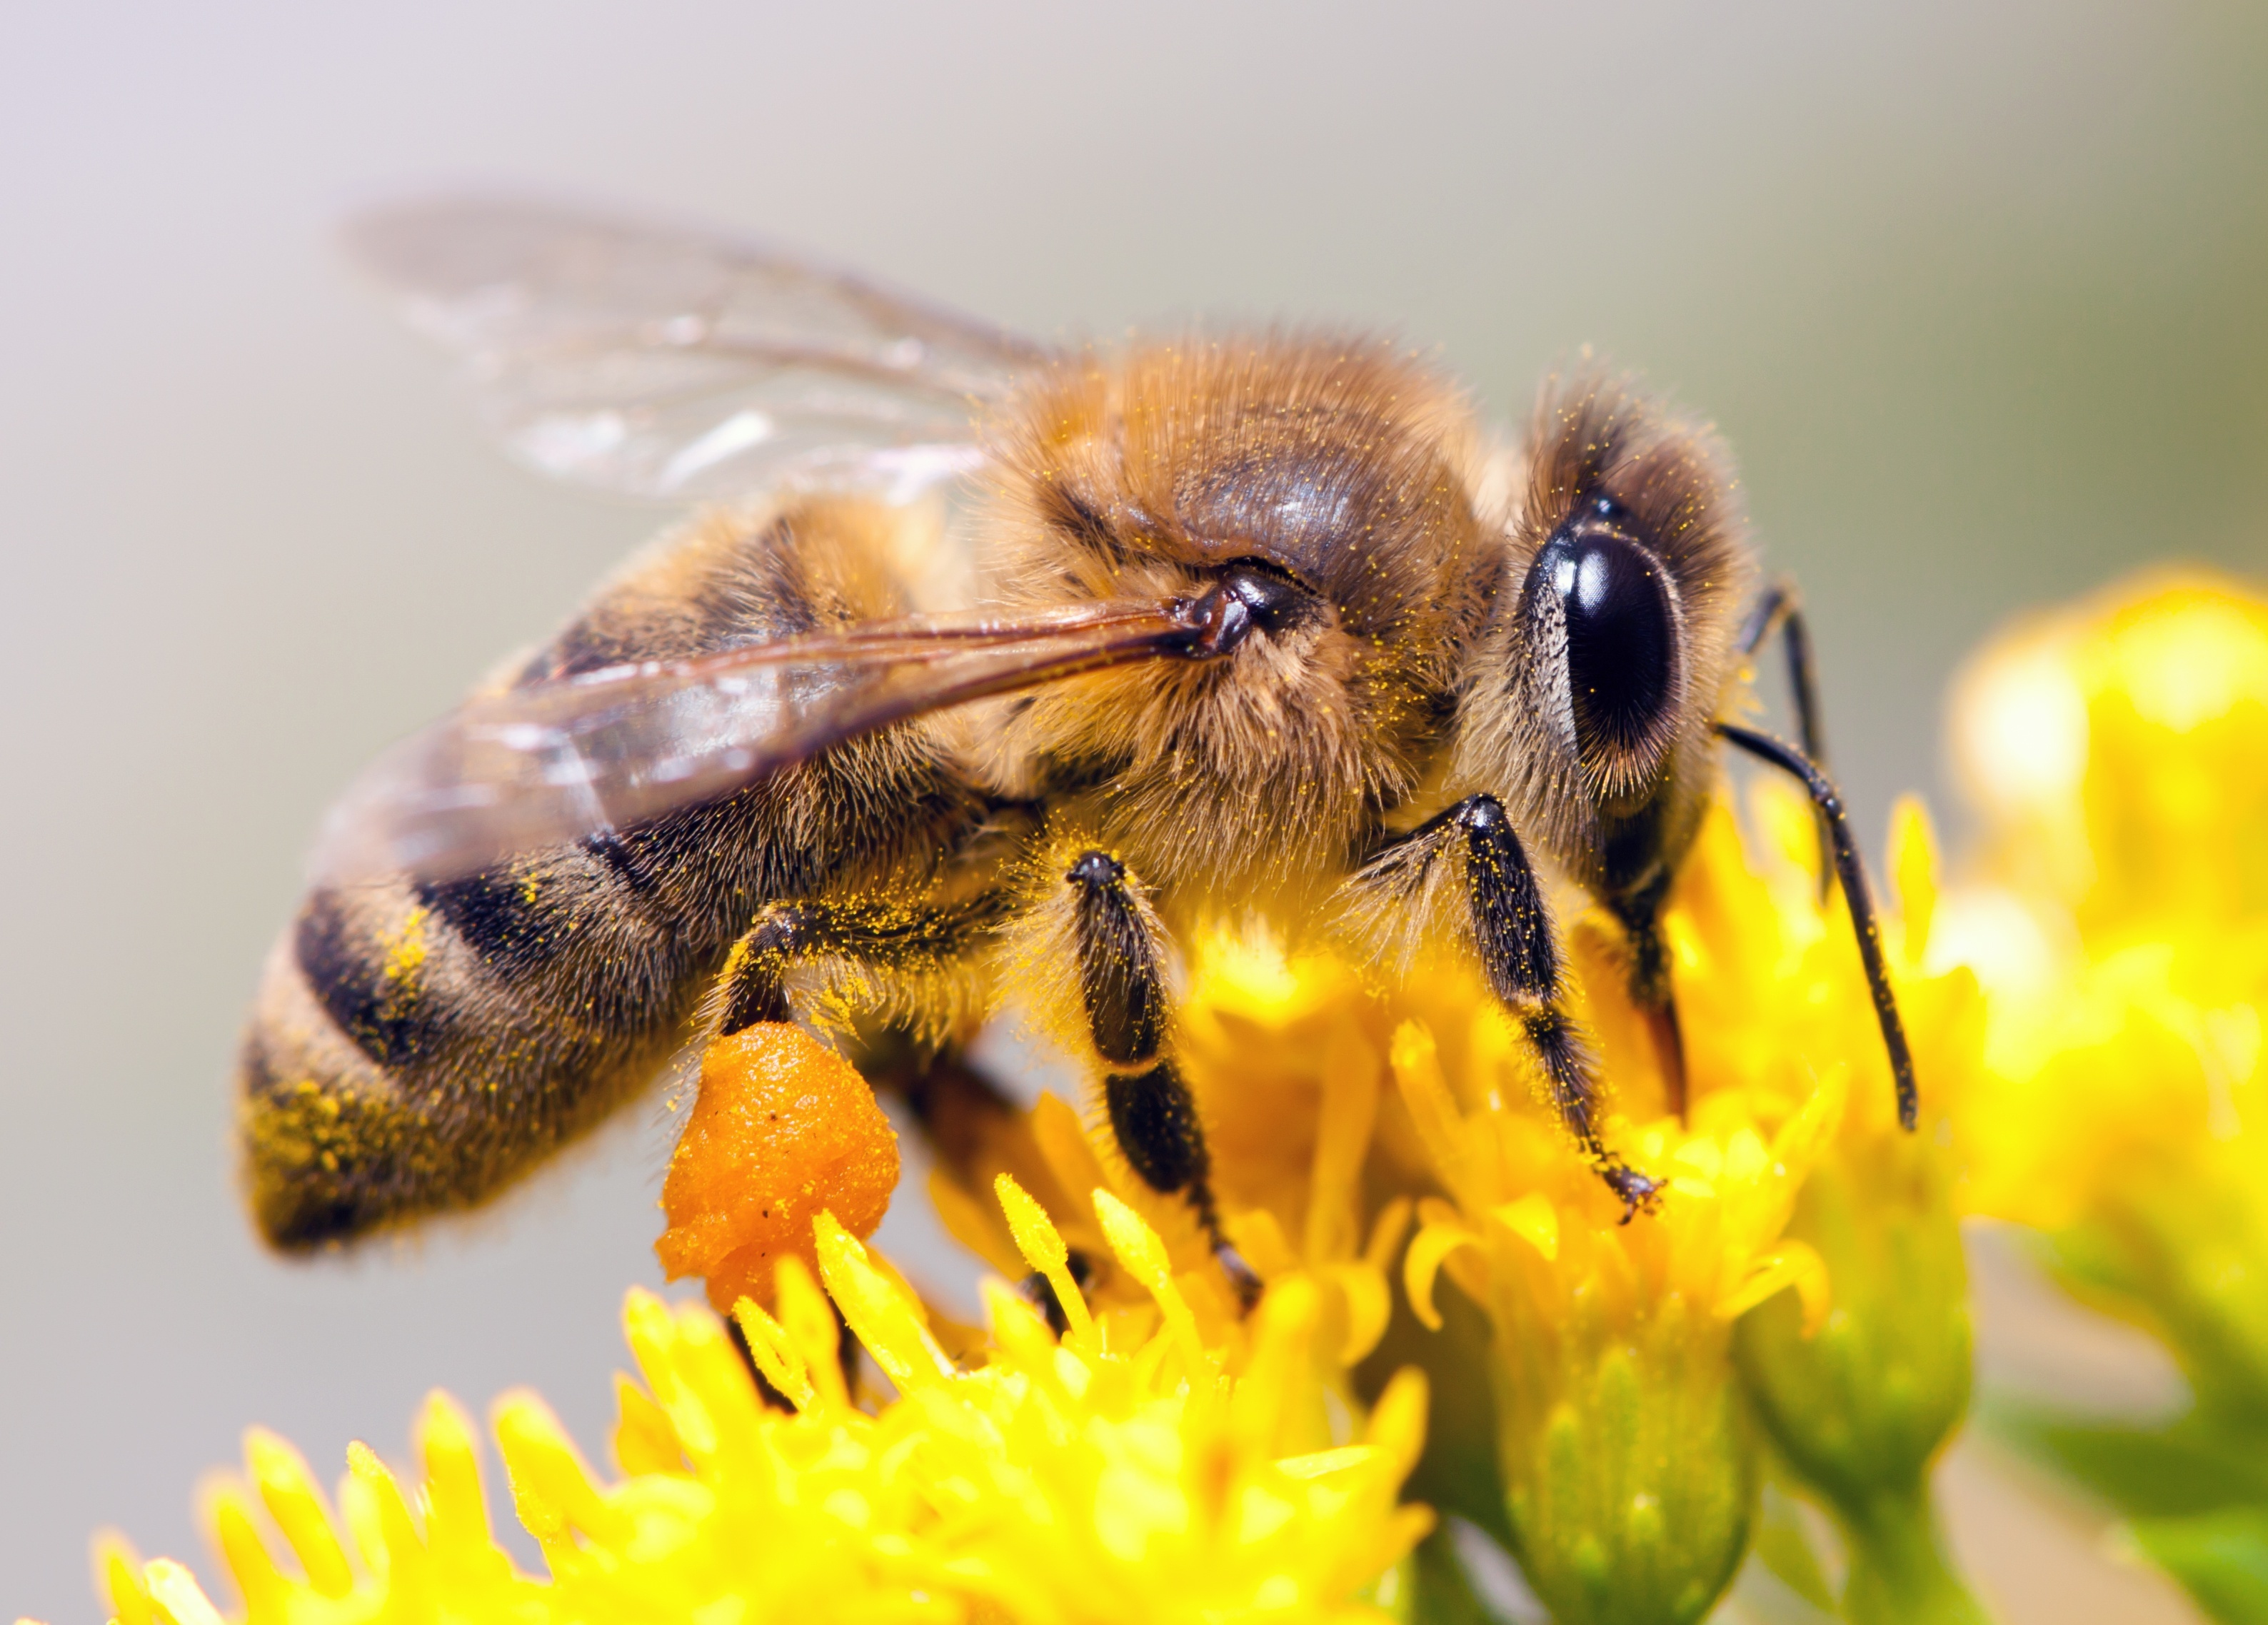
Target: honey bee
(995, 663)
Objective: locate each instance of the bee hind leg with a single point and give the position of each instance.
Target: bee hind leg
(1122, 982)
(884, 936)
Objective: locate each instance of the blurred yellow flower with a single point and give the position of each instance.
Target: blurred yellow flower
(2119, 753)
(1125, 1472)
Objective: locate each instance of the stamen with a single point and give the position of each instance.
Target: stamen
(1143, 1253)
(1042, 1244)
(876, 1310)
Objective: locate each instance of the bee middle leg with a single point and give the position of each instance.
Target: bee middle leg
(1122, 983)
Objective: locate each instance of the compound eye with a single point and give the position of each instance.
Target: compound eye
(1622, 637)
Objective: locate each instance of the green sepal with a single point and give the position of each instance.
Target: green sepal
(1783, 1546)
(2220, 1557)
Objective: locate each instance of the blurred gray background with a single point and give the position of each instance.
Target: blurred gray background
(1979, 293)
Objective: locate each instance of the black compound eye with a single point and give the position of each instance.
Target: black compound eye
(1622, 637)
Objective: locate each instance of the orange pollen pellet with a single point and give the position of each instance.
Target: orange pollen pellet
(783, 1128)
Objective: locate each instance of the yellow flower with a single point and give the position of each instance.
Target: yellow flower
(1859, 1405)
(1615, 1451)
(2118, 750)
(1163, 1455)
(1629, 1465)
(1125, 1472)
(1286, 1059)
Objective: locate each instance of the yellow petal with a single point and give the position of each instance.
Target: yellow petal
(456, 1512)
(258, 1580)
(1435, 1242)
(119, 1573)
(1369, 1306)
(1350, 1107)
(1913, 871)
(388, 1520)
(1020, 1337)
(812, 1331)
(1397, 1421)
(1385, 1234)
(1321, 1463)
(289, 1491)
(550, 1487)
(644, 1440)
(1143, 1252)
(1534, 1220)
(175, 1590)
(1792, 1264)
(774, 1353)
(1259, 1238)
(1416, 1066)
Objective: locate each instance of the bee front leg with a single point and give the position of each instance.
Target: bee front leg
(1519, 952)
(1781, 610)
(1122, 983)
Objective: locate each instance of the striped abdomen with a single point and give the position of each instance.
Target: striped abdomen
(417, 1044)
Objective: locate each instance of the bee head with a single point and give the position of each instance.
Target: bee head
(1589, 699)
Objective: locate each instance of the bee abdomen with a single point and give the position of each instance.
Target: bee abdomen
(414, 1046)
(419, 1043)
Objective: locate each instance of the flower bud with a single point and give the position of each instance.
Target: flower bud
(1859, 1405)
(1630, 1475)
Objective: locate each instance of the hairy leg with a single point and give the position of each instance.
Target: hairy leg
(1511, 935)
(1121, 984)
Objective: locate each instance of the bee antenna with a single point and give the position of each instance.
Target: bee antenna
(1852, 873)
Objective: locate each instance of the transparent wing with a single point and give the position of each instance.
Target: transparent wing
(666, 362)
(555, 762)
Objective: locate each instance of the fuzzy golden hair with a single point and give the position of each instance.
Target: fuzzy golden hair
(1342, 462)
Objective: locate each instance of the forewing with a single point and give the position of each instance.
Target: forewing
(667, 362)
(556, 762)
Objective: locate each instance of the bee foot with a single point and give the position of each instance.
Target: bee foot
(1247, 1284)
(1638, 1193)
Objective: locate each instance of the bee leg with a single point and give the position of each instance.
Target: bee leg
(1041, 1293)
(1856, 896)
(847, 1350)
(1640, 913)
(1781, 610)
(1513, 934)
(1122, 980)
(888, 938)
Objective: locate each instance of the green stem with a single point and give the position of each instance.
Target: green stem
(1900, 1571)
